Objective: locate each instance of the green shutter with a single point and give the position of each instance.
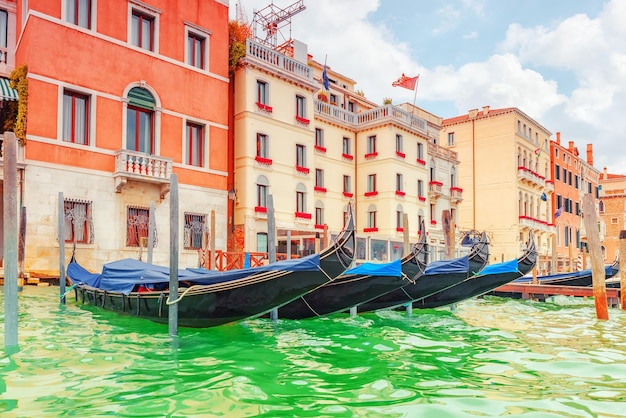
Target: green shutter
(141, 98)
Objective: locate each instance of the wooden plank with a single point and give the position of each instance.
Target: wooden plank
(553, 290)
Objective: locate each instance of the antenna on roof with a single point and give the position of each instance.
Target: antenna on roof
(268, 22)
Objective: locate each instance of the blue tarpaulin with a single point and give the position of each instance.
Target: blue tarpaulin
(499, 268)
(457, 265)
(123, 275)
(393, 269)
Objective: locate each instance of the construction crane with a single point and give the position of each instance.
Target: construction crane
(270, 20)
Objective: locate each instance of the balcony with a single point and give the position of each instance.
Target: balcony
(268, 57)
(526, 175)
(549, 188)
(536, 224)
(435, 190)
(456, 195)
(138, 166)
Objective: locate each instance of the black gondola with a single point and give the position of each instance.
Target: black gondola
(216, 298)
(491, 277)
(439, 275)
(360, 285)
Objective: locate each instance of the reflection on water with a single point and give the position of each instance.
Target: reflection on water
(491, 357)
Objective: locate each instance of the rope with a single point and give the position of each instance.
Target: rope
(182, 295)
(68, 290)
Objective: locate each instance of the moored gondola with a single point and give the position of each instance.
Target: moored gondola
(360, 284)
(439, 275)
(210, 298)
(488, 279)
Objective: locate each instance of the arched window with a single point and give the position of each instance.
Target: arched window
(140, 121)
(520, 207)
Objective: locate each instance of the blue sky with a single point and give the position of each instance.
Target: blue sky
(562, 62)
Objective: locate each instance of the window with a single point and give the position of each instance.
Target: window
(319, 138)
(333, 99)
(398, 182)
(262, 185)
(262, 93)
(319, 213)
(399, 144)
(576, 183)
(557, 172)
(195, 144)
(451, 141)
(346, 146)
(300, 155)
(399, 220)
(453, 177)
(433, 217)
(319, 177)
(300, 198)
(300, 107)
(138, 221)
(556, 153)
(262, 146)
(601, 206)
(371, 217)
(351, 107)
(371, 144)
(420, 151)
(75, 118)
(371, 183)
(261, 242)
(195, 229)
(420, 188)
(140, 121)
(559, 201)
(142, 30)
(347, 188)
(564, 175)
(4, 25)
(78, 12)
(196, 50)
(78, 221)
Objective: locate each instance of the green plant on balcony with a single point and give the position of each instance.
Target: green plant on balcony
(238, 32)
(387, 101)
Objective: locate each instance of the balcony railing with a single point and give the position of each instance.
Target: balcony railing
(267, 56)
(456, 195)
(549, 186)
(435, 190)
(527, 175)
(137, 166)
(19, 153)
(536, 224)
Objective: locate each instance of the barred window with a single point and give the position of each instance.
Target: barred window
(78, 221)
(138, 221)
(195, 230)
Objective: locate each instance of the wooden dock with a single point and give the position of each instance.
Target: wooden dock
(542, 291)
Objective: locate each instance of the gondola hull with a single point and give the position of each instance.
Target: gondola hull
(253, 292)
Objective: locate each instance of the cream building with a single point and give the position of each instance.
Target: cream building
(315, 150)
(504, 170)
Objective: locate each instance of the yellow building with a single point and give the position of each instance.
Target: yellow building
(313, 150)
(504, 170)
(612, 210)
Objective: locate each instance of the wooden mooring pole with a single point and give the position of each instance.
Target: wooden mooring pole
(622, 268)
(151, 228)
(271, 241)
(10, 240)
(61, 238)
(173, 307)
(598, 274)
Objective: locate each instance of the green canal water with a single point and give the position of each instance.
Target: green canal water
(490, 357)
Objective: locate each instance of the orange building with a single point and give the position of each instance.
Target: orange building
(123, 93)
(573, 178)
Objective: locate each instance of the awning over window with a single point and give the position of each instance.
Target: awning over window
(6, 92)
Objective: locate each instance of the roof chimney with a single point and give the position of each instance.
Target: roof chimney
(472, 113)
(558, 138)
(604, 174)
(485, 110)
(590, 154)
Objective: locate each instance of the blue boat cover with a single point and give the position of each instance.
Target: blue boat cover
(499, 268)
(457, 265)
(608, 271)
(123, 275)
(393, 269)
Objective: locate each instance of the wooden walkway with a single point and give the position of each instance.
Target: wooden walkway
(543, 291)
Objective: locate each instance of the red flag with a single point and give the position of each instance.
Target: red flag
(406, 82)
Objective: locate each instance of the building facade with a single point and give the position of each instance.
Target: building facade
(612, 211)
(574, 177)
(122, 94)
(313, 150)
(504, 171)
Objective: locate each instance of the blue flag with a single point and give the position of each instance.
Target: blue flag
(558, 212)
(544, 197)
(325, 80)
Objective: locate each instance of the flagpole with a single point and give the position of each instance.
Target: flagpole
(415, 95)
